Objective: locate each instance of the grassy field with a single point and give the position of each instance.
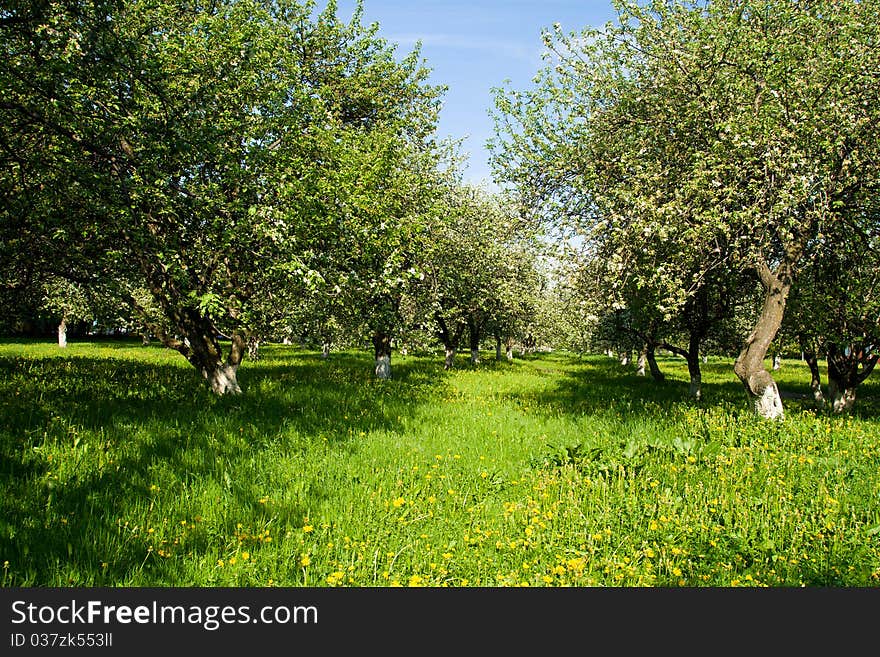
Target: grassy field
(119, 468)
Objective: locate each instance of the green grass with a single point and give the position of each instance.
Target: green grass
(119, 468)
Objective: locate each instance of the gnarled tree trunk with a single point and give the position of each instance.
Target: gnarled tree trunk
(749, 365)
(847, 369)
(450, 340)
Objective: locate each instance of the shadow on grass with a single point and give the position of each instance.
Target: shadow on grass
(109, 424)
(599, 385)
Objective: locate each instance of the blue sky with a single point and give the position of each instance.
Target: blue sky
(473, 46)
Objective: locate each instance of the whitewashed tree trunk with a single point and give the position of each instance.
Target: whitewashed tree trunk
(768, 404)
(383, 367)
(509, 348)
(62, 333)
(642, 362)
(777, 361)
(224, 379)
(449, 359)
(253, 348)
(842, 399)
(475, 356)
(325, 349)
(382, 352)
(696, 388)
(749, 365)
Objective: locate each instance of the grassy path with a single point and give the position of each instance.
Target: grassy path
(119, 468)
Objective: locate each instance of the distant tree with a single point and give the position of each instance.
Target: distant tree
(221, 150)
(704, 137)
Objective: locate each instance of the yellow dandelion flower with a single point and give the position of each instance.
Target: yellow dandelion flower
(308, 528)
(398, 502)
(305, 560)
(220, 562)
(232, 561)
(676, 572)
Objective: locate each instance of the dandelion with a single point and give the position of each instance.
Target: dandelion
(307, 529)
(305, 560)
(399, 502)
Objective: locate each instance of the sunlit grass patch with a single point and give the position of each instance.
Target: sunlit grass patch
(120, 468)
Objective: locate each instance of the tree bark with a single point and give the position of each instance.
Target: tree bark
(749, 365)
(450, 340)
(692, 357)
(498, 351)
(382, 351)
(200, 345)
(815, 380)
(847, 369)
(643, 361)
(253, 347)
(509, 346)
(62, 332)
(325, 349)
(651, 357)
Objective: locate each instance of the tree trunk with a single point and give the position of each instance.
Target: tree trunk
(777, 362)
(651, 357)
(253, 347)
(221, 375)
(201, 347)
(643, 361)
(62, 332)
(815, 380)
(847, 369)
(509, 347)
(382, 351)
(449, 358)
(693, 361)
(325, 349)
(498, 350)
(450, 340)
(749, 365)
